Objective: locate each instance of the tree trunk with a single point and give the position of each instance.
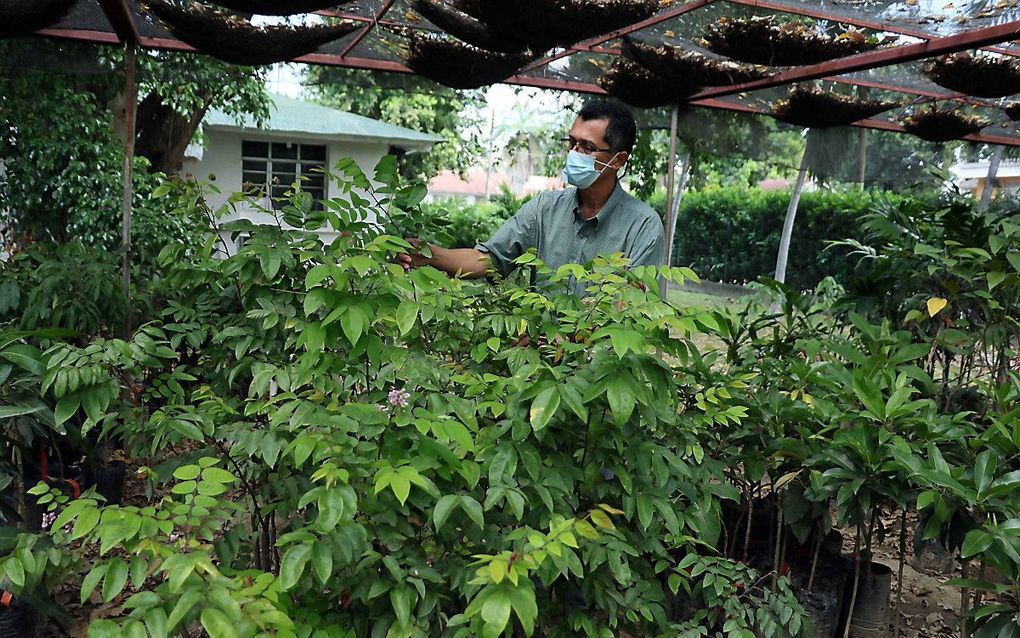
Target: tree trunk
(862, 156)
(670, 181)
(130, 105)
(164, 134)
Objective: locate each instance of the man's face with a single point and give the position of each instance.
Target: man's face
(589, 138)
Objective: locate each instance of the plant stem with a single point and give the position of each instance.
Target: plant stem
(978, 594)
(750, 517)
(814, 563)
(899, 581)
(964, 600)
(857, 581)
(779, 544)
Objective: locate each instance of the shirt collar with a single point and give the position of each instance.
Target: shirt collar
(607, 210)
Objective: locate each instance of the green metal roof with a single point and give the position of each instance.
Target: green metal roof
(288, 115)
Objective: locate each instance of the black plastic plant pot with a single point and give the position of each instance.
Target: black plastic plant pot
(18, 619)
(110, 482)
(21, 17)
(872, 612)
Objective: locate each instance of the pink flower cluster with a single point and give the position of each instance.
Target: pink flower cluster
(47, 519)
(398, 398)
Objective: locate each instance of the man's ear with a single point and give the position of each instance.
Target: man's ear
(620, 160)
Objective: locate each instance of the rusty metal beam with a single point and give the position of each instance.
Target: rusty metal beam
(857, 22)
(120, 16)
(587, 45)
(875, 59)
(368, 28)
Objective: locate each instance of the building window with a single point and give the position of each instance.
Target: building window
(273, 166)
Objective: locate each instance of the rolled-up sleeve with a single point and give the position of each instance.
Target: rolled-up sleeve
(513, 238)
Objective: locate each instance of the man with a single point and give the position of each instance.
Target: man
(574, 225)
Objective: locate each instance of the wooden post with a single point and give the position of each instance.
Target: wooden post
(668, 223)
(130, 106)
(791, 214)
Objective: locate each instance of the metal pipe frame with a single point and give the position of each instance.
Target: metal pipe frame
(875, 59)
(371, 25)
(857, 22)
(587, 45)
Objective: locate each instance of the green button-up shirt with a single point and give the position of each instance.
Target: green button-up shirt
(552, 223)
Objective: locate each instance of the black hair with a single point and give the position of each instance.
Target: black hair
(622, 129)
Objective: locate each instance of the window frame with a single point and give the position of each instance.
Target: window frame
(272, 166)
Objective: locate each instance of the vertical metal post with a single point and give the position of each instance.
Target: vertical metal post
(670, 181)
(130, 107)
(791, 215)
(993, 173)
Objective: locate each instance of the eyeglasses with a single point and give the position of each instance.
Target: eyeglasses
(586, 148)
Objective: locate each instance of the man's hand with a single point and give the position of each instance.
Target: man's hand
(413, 259)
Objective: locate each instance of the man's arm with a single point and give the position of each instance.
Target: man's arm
(463, 262)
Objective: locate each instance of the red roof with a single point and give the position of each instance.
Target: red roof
(450, 183)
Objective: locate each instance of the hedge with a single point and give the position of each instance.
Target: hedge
(732, 234)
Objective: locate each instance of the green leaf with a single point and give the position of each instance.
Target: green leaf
(316, 275)
(322, 562)
(995, 278)
(156, 622)
(443, 508)
(293, 565)
(85, 523)
(400, 598)
(407, 314)
(91, 580)
(984, 470)
(544, 407)
(353, 324)
(977, 541)
(67, 405)
(496, 612)
(185, 604)
(270, 262)
(116, 578)
(216, 623)
(217, 475)
(621, 398)
(187, 472)
(523, 601)
(474, 510)
(15, 571)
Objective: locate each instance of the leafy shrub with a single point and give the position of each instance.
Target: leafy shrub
(464, 225)
(369, 452)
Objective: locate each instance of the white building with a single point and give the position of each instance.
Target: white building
(297, 138)
(971, 177)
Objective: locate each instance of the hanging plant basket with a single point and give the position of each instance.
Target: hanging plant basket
(548, 23)
(639, 87)
(978, 75)
(813, 108)
(1012, 111)
(940, 125)
(22, 17)
(236, 40)
(458, 65)
(279, 7)
(766, 41)
(465, 27)
(688, 66)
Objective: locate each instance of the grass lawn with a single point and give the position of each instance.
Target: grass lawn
(695, 297)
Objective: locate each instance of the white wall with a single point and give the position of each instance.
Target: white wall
(222, 158)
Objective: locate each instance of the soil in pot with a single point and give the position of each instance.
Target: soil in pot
(637, 86)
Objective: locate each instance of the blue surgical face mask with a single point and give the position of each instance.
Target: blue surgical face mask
(580, 170)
